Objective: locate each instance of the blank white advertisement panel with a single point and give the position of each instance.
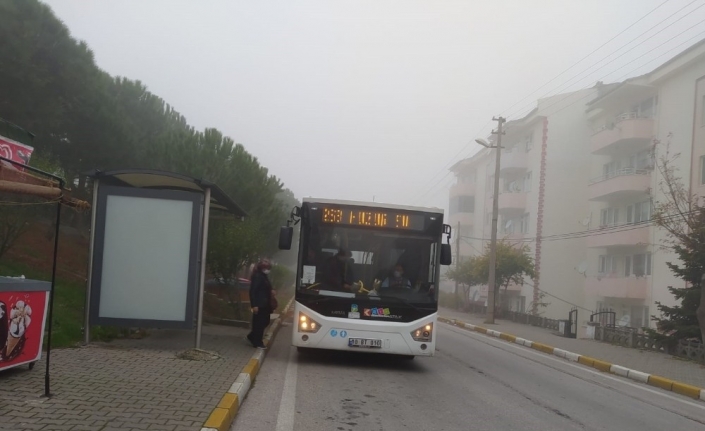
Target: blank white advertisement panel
(146, 268)
(145, 258)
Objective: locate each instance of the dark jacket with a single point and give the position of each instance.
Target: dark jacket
(260, 290)
(338, 273)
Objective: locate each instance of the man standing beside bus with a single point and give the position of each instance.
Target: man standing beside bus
(260, 302)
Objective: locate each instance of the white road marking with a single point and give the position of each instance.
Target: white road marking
(489, 340)
(287, 406)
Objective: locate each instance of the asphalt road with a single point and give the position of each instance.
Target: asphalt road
(473, 383)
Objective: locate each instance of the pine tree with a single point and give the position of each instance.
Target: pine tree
(683, 216)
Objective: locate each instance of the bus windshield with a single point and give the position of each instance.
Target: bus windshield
(353, 261)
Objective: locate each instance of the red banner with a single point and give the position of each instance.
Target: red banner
(15, 151)
(21, 327)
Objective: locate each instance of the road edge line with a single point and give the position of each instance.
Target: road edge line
(223, 415)
(600, 365)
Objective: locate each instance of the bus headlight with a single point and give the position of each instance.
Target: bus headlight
(423, 334)
(306, 324)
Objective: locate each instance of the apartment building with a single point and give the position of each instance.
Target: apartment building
(632, 125)
(579, 184)
(542, 163)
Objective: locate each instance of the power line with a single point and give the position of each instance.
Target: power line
(569, 82)
(595, 232)
(556, 297)
(588, 55)
(588, 95)
(445, 168)
(677, 47)
(433, 187)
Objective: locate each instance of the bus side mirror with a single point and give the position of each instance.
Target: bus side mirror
(286, 235)
(446, 254)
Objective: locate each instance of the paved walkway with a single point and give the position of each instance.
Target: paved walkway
(640, 360)
(126, 384)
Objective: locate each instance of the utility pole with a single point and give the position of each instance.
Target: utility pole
(495, 210)
(457, 263)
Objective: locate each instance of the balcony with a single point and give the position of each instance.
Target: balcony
(513, 162)
(617, 287)
(462, 189)
(512, 202)
(620, 184)
(628, 133)
(623, 236)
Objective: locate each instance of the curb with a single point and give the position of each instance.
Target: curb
(223, 415)
(638, 376)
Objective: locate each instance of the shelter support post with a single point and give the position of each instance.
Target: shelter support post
(202, 280)
(87, 307)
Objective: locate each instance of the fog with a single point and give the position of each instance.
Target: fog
(369, 99)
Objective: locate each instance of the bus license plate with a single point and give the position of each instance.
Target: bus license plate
(365, 342)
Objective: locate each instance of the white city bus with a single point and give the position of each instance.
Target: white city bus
(347, 295)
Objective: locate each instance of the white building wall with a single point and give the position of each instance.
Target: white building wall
(570, 166)
(676, 115)
(566, 203)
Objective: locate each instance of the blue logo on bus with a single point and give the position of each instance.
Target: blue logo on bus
(353, 308)
(343, 334)
(333, 332)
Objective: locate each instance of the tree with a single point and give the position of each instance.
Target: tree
(232, 245)
(16, 216)
(465, 274)
(513, 263)
(85, 119)
(682, 215)
(18, 213)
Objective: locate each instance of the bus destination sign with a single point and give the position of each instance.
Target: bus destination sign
(373, 218)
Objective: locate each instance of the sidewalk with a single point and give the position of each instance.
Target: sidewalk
(648, 362)
(126, 384)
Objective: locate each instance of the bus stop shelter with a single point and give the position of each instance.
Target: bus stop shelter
(149, 238)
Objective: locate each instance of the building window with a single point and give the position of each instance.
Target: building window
(525, 223)
(609, 217)
(516, 186)
(607, 265)
(611, 169)
(627, 266)
(462, 204)
(508, 226)
(642, 160)
(527, 182)
(646, 109)
(639, 212)
(641, 264)
(529, 142)
(702, 170)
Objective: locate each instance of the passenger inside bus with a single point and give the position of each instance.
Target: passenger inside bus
(338, 271)
(397, 280)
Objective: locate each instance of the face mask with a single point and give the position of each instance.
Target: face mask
(397, 274)
(266, 271)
